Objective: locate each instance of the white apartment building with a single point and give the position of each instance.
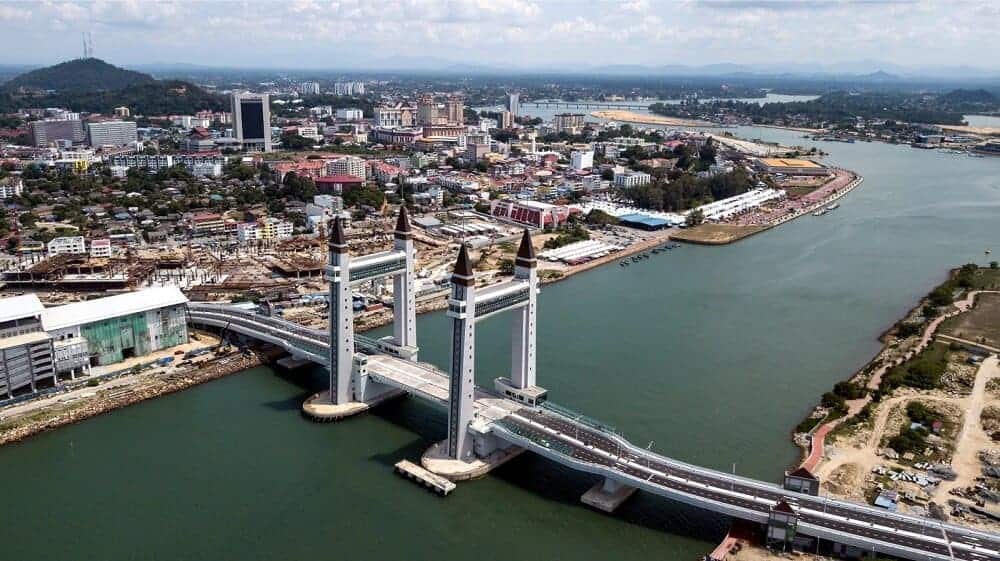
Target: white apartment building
(309, 88)
(11, 187)
(581, 159)
(348, 165)
(111, 133)
(632, 178)
(67, 244)
(349, 88)
(348, 114)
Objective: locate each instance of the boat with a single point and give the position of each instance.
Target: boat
(623, 263)
(820, 212)
(834, 206)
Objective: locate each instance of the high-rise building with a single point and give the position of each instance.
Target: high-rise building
(513, 103)
(111, 133)
(455, 108)
(349, 88)
(426, 110)
(252, 121)
(570, 123)
(506, 120)
(45, 133)
(309, 88)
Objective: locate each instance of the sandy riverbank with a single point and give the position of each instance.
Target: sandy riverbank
(645, 119)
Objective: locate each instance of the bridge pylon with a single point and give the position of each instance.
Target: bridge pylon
(350, 391)
(462, 311)
(338, 275)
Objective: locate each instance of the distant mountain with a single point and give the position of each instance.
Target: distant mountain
(879, 76)
(80, 75)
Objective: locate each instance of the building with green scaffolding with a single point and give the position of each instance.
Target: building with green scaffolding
(116, 328)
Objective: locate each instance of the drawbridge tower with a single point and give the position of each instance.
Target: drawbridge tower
(468, 306)
(344, 272)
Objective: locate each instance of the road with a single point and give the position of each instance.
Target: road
(581, 443)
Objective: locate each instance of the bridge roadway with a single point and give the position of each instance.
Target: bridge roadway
(569, 441)
(583, 444)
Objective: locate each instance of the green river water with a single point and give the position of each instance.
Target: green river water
(711, 353)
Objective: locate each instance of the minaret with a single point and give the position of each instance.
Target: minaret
(338, 274)
(462, 311)
(522, 360)
(404, 323)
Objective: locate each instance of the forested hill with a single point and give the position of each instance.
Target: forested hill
(94, 86)
(80, 75)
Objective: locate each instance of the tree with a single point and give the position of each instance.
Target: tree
(694, 218)
(293, 141)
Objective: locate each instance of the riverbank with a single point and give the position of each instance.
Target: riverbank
(90, 401)
(921, 376)
(646, 119)
(754, 223)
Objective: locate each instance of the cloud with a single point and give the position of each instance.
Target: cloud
(320, 33)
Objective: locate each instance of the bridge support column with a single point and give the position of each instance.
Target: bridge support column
(404, 322)
(462, 311)
(522, 371)
(338, 274)
(607, 495)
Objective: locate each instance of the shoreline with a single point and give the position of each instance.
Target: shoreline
(870, 374)
(115, 398)
(740, 232)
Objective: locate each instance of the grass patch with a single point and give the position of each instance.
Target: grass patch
(922, 371)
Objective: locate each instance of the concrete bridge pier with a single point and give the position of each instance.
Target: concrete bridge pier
(488, 453)
(365, 394)
(607, 495)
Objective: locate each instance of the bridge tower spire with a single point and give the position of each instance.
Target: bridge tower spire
(462, 311)
(338, 274)
(522, 371)
(404, 322)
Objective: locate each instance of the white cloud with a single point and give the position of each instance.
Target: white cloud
(535, 32)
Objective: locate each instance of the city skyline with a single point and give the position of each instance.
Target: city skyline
(763, 36)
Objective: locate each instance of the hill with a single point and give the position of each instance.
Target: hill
(80, 75)
(171, 97)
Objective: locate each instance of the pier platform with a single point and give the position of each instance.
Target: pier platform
(319, 408)
(440, 485)
(607, 495)
(436, 460)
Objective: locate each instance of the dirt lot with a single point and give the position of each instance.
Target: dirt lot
(981, 324)
(716, 234)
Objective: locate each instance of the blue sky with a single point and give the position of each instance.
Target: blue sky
(517, 34)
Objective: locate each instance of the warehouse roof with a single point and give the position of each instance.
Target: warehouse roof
(17, 307)
(644, 220)
(80, 313)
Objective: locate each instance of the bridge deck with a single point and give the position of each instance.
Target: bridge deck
(589, 446)
(555, 435)
(414, 377)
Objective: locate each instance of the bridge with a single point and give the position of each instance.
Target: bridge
(584, 105)
(486, 426)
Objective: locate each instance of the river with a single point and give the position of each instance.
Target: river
(710, 353)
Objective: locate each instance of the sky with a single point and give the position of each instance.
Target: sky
(515, 34)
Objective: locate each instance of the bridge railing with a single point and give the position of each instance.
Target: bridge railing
(580, 418)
